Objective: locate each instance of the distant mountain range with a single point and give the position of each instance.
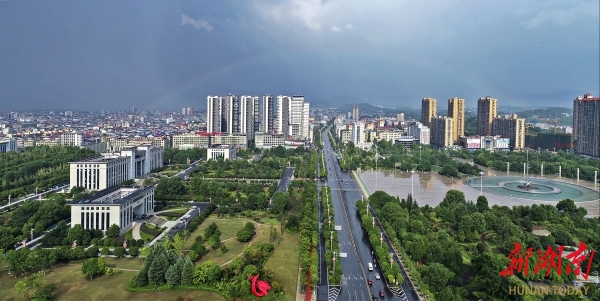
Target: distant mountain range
(539, 114)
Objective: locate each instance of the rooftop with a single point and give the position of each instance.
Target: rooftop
(96, 198)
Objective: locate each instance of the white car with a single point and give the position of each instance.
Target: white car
(377, 276)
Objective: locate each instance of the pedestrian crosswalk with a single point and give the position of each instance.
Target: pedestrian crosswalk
(333, 292)
(399, 293)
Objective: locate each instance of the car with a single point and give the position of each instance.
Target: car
(381, 293)
(377, 276)
(369, 282)
(346, 183)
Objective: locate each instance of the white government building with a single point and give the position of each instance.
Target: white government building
(114, 168)
(114, 205)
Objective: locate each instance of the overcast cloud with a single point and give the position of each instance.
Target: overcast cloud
(114, 54)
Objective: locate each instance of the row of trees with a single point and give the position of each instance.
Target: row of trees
(331, 238)
(181, 156)
(309, 232)
(390, 272)
(268, 167)
(38, 167)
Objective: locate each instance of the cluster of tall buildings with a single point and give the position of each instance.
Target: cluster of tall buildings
(448, 130)
(232, 114)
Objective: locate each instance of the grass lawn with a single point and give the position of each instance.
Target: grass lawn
(147, 236)
(284, 262)
(228, 227)
(72, 285)
(234, 248)
(131, 263)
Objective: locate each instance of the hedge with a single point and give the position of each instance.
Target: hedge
(150, 231)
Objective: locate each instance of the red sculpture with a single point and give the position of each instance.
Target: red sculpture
(260, 288)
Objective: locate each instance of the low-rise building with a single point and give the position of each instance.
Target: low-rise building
(113, 206)
(266, 140)
(227, 152)
(112, 169)
(8, 145)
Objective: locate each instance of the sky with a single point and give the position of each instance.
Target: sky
(112, 55)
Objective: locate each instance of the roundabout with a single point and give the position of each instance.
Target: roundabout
(533, 188)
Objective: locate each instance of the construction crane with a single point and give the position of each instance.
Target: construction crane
(555, 124)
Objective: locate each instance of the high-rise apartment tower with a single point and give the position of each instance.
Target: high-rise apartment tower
(428, 110)
(456, 111)
(487, 110)
(586, 125)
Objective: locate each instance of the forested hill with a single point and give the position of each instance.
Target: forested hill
(564, 115)
(40, 166)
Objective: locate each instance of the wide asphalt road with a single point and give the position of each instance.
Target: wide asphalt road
(286, 179)
(345, 192)
(354, 268)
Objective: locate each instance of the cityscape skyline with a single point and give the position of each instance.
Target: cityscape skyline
(82, 56)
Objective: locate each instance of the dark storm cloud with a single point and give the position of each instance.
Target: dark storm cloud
(115, 54)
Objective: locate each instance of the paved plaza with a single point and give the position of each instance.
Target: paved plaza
(430, 188)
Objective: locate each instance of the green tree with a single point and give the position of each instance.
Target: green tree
(93, 267)
(436, 276)
(482, 203)
(187, 273)
(119, 252)
(567, 206)
(156, 272)
(207, 273)
(79, 234)
(178, 242)
(293, 222)
(213, 242)
(30, 286)
(173, 277)
(245, 234)
(105, 251)
(281, 202)
(92, 251)
(134, 251)
(113, 231)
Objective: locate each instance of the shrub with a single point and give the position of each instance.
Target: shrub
(193, 255)
(92, 251)
(245, 235)
(134, 251)
(224, 249)
(250, 226)
(150, 231)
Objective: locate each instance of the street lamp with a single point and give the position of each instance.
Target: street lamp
(331, 239)
(333, 259)
(528, 163)
(481, 182)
